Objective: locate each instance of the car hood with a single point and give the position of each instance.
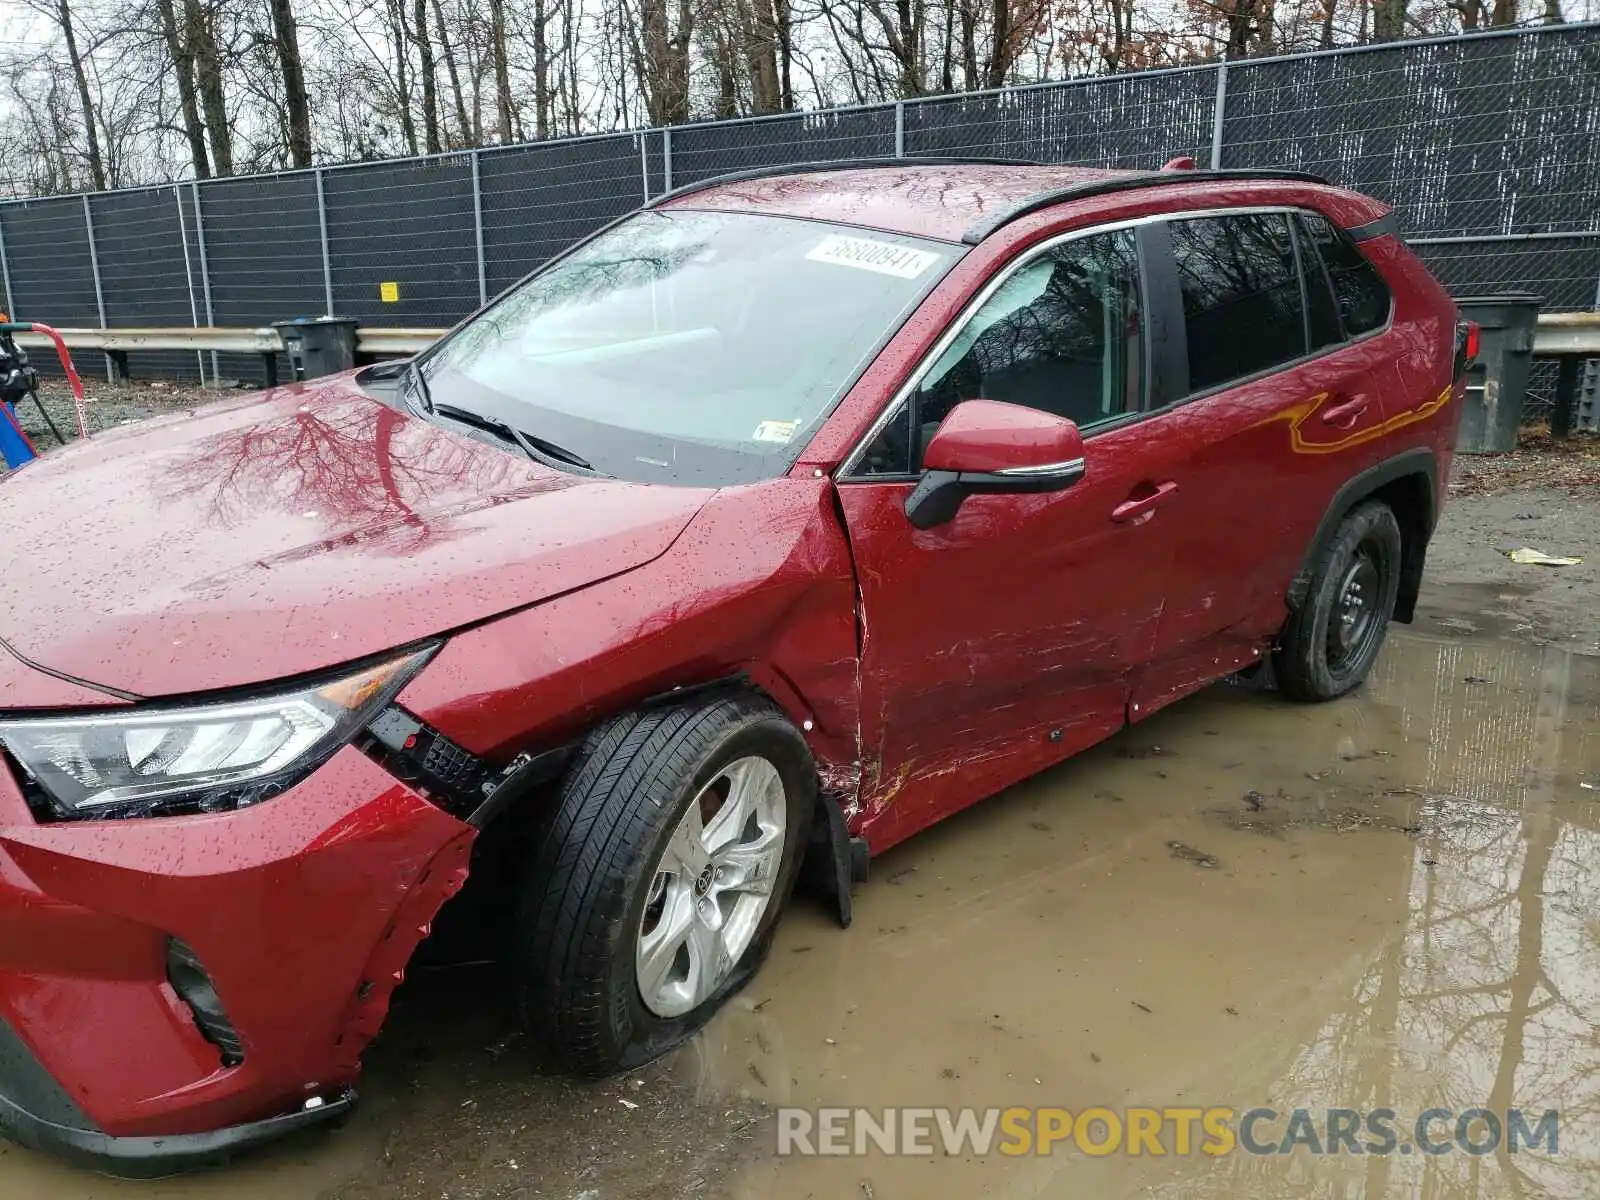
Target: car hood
(292, 530)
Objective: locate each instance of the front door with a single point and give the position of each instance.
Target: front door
(1005, 639)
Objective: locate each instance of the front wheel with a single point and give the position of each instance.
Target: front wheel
(1331, 641)
(673, 847)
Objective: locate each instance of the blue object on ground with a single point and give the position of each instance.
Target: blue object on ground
(13, 446)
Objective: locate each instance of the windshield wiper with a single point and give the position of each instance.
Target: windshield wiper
(419, 381)
(541, 451)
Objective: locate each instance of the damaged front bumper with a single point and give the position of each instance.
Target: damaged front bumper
(176, 989)
(37, 1112)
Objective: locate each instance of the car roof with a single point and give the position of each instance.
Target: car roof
(941, 200)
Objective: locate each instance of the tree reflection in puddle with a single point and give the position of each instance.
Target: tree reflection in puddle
(1489, 996)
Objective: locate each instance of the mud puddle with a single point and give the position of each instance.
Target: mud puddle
(1386, 902)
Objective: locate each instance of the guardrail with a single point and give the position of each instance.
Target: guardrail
(116, 344)
(1560, 334)
(121, 341)
(386, 343)
(1568, 337)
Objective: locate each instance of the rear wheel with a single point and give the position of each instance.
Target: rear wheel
(1331, 641)
(656, 886)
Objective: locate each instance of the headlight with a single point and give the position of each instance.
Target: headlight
(198, 758)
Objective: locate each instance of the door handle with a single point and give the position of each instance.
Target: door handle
(1346, 411)
(1137, 506)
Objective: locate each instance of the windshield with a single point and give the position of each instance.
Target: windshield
(689, 347)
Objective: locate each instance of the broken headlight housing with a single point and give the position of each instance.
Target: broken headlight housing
(212, 757)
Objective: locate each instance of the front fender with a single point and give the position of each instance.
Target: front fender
(760, 585)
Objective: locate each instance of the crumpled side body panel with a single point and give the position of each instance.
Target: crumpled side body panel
(760, 585)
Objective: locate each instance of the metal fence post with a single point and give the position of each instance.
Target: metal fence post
(205, 274)
(477, 229)
(188, 277)
(899, 128)
(322, 235)
(94, 266)
(1587, 417)
(1219, 107)
(5, 269)
(666, 159)
(644, 164)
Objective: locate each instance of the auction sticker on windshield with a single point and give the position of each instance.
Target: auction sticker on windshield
(868, 254)
(774, 431)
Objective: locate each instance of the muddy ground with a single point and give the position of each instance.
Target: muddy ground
(1386, 901)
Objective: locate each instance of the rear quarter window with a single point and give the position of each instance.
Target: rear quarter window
(1359, 290)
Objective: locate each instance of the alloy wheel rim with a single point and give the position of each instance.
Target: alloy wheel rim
(711, 887)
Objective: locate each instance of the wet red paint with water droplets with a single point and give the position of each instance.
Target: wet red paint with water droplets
(312, 525)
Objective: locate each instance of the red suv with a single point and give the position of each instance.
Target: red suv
(761, 530)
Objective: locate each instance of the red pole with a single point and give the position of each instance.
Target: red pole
(72, 373)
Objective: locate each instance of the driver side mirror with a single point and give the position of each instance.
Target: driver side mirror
(985, 446)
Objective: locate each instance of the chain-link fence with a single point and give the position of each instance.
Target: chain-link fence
(1487, 145)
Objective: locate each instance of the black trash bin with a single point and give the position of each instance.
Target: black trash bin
(1497, 384)
(318, 346)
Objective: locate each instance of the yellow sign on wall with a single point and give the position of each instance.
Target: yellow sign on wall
(389, 292)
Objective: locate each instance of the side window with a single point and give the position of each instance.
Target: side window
(1241, 295)
(889, 453)
(1322, 309)
(1359, 290)
(1062, 334)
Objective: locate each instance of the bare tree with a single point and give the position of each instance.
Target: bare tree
(42, 109)
(660, 43)
(200, 34)
(717, 46)
(540, 15)
(61, 14)
(881, 43)
(762, 39)
(1389, 19)
(463, 122)
(400, 73)
(425, 73)
(1117, 35)
(504, 112)
(783, 24)
(197, 88)
(182, 60)
(297, 106)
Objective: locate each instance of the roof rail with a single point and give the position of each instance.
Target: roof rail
(835, 164)
(1101, 187)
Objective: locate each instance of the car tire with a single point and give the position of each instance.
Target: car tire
(615, 876)
(1330, 642)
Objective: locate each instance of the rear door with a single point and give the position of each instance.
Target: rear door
(1280, 408)
(1007, 638)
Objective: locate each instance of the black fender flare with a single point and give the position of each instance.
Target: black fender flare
(832, 861)
(1419, 460)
